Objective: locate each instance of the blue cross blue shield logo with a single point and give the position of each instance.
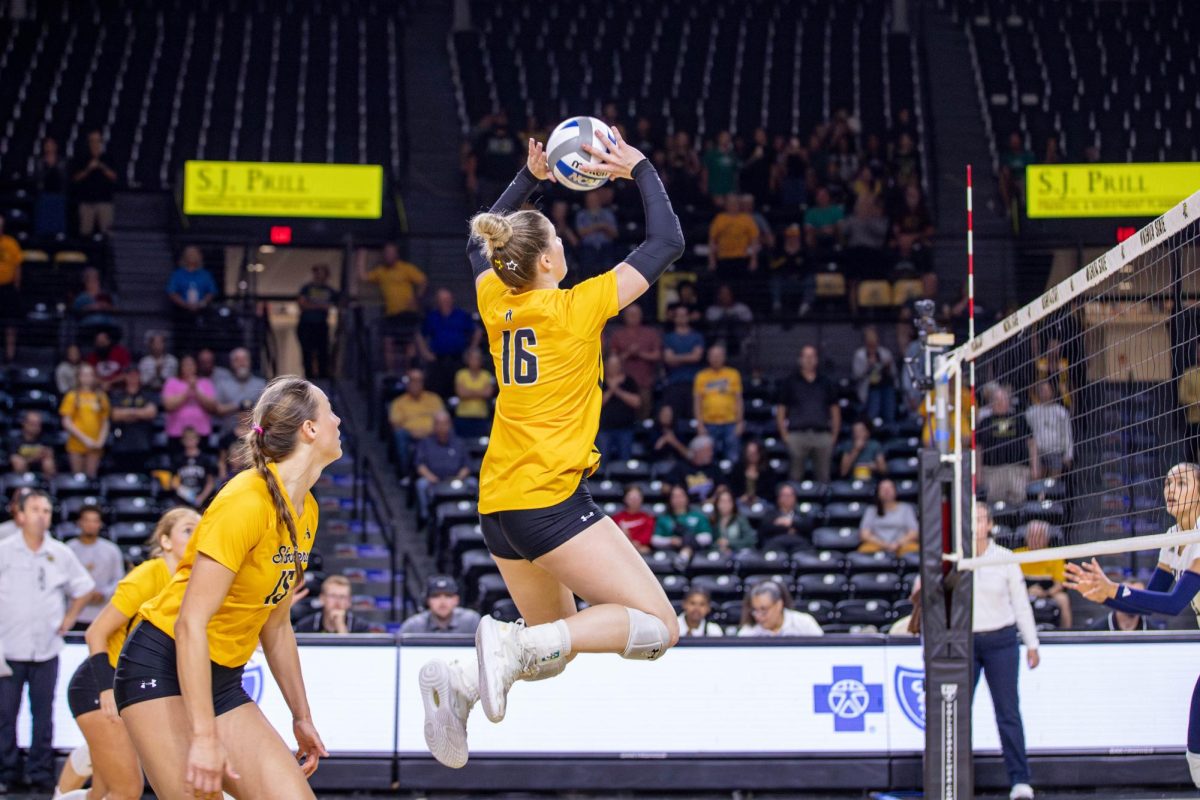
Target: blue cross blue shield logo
(252, 680)
(910, 690)
(849, 699)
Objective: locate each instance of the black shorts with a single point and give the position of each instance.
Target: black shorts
(146, 671)
(83, 693)
(531, 533)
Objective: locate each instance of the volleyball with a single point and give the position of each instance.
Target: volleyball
(569, 160)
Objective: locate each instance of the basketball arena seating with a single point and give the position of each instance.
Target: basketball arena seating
(1138, 106)
(168, 82)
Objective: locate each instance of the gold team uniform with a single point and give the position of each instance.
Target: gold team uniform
(547, 351)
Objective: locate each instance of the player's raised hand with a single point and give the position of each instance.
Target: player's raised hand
(1090, 581)
(538, 164)
(617, 158)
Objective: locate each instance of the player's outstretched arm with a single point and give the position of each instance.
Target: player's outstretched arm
(536, 169)
(1090, 581)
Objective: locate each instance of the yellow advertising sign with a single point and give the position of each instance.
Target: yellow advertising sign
(1107, 190)
(256, 189)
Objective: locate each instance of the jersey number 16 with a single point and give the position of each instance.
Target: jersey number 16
(517, 363)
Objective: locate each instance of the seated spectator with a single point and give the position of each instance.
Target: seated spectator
(640, 348)
(188, 401)
(109, 359)
(194, 472)
(823, 226)
(767, 611)
(474, 387)
(206, 365)
(445, 336)
(11, 527)
(686, 296)
(411, 417)
(874, 369)
(912, 232)
(862, 457)
(1013, 162)
(620, 404)
(12, 312)
(101, 558)
(697, 605)
(1050, 425)
(402, 285)
(889, 525)
(733, 531)
(733, 242)
(1046, 578)
(683, 350)
(728, 319)
(191, 291)
(562, 227)
(719, 407)
(133, 413)
(439, 457)
(699, 476)
(786, 281)
(866, 232)
(1008, 454)
(785, 527)
(50, 180)
(334, 614)
(316, 298)
(66, 373)
(84, 411)
(92, 306)
(633, 519)
(682, 170)
(752, 478)
(157, 366)
(682, 528)
(442, 614)
(31, 450)
(667, 444)
(596, 227)
(1113, 620)
(237, 389)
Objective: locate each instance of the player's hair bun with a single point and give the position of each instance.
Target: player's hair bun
(494, 230)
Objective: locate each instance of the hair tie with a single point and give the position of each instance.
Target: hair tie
(258, 429)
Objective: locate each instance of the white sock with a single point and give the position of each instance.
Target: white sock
(78, 794)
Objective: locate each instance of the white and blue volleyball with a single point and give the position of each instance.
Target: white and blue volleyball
(567, 157)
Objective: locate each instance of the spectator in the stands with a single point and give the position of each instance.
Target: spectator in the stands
(683, 169)
(11, 527)
(889, 525)
(446, 334)
(50, 180)
(134, 410)
(334, 614)
(634, 520)
(874, 370)
(697, 605)
(753, 479)
(682, 527)
(768, 611)
(402, 285)
(596, 227)
(1045, 579)
(191, 290)
(786, 280)
(1050, 425)
(866, 232)
(237, 389)
(719, 404)
(30, 449)
(109, 358)
(786, 526)
(1013, 162)
(733, 242)
(912, 233)
(1008, 453)
(411, 416)
(66, 374)
(667, 444)
(808, 418)
(733, 531)
(442, 614)
(686, 296)
(157, 366)
(728, 319)
(823, 225)
(92, 306)
(495, 153)
(698, 474)
(755, 177)
(906, 161)
(1120, 620)
(95, 183)
(11, 310)
(194, 472)
(188, 400)
(206, 364)
(474, 387)
(640, 348)
(84, 412)
(721, 167)
(620, 404)
(439, 457)
(315, 299)
(100, 557)
(862, 456)
(683, 352)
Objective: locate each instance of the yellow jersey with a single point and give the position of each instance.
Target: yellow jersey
(546, 347)
(10, 259)
(1054, 569)
(140, 584)
(399, 284)
(718, 390)
(89, 411)
(241, 532)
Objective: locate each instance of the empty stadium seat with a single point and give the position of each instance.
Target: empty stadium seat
(876, 584)
(870, 562)
(474, 564)
(674, 585)
(505, 610)
(710, 563)
(489, 589)
(720, 587)
(850, 491)
(863, 612)
(829, 585)
(129, 484)
(662, 562)
(844, 514)
(752, 562)
(130, 532)
(817, 562)
(69, 508)
(821, 610)
(70, 485)
(844, 538)
(134, 509)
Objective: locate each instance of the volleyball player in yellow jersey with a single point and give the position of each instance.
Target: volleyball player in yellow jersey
(549, 539)
(179, 678)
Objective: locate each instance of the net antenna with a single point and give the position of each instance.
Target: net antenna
(1085, 402)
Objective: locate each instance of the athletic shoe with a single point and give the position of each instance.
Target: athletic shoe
(448, 692)
(502, 660)
(1022, 791)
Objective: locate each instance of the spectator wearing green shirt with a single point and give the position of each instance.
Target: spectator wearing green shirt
(734, 532)
(721, 167)
(823, 224)
(682, 528)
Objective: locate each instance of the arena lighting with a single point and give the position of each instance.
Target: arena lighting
(281, 234)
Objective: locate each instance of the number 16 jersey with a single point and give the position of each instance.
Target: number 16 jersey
(545, 344)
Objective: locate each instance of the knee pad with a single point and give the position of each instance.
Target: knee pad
(81, 761)
(648, 636)
(1193, 760)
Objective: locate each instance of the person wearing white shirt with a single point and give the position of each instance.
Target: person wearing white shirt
(766, 612)
(694, 619)
(38, 575)
(1000, 606)
(101, 558)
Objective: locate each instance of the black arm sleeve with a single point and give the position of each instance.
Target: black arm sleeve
(511, 199)
(664, 239)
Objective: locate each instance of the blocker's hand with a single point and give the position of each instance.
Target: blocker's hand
(1090, 581)
(617, 159)
(538, 164)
